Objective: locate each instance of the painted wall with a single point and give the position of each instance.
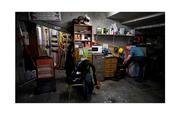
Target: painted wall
(98, 19)
(114, 40)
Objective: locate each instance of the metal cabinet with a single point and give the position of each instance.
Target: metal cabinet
(110, 66)
(98, 62)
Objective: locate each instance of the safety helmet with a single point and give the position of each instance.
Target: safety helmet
(120, 50)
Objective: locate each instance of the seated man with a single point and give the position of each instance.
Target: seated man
(120, 73)
(136, 54)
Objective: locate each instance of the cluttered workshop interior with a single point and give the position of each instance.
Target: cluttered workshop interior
(90, 57)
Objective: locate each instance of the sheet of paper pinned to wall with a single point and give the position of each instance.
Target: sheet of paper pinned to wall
(80, 51)
(105, 46)
(26, 38)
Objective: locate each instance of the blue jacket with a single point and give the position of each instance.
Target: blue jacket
(136, 51)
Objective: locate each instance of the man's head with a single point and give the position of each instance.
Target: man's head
(128, 47)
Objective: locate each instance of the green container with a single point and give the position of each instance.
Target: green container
(85, 52)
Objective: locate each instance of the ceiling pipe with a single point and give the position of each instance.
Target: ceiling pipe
(143, 18)
(150, 26)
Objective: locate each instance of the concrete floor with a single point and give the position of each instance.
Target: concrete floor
(125, 90)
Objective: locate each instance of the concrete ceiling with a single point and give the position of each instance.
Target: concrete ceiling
(125, 16)
(139, 19)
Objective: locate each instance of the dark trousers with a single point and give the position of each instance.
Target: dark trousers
(140, 60)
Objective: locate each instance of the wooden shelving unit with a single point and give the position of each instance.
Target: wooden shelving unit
(82, 38)
(83, 34)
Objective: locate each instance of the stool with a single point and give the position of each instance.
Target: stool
(70, 86)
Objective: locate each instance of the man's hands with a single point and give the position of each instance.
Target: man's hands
(124, 62)
(128, 58)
